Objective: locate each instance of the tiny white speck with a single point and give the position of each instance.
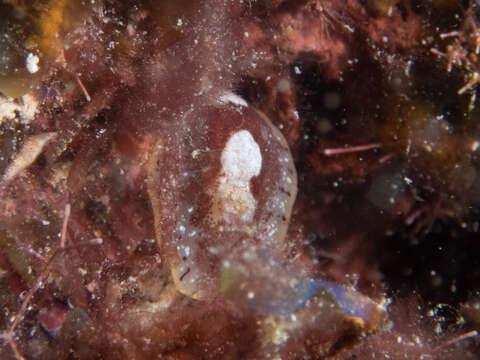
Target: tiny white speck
(349, 28)
(32, 63)
(195, 153)
(297, 70)
(251, 295)
(213, 250)
(179, 22)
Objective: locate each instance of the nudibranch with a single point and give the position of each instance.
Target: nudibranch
(222, 184)
(221, 179)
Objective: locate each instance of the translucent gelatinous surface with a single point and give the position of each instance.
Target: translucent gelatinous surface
(221, 179)
(258, 279)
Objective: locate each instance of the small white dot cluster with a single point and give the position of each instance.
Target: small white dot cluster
(241, 158)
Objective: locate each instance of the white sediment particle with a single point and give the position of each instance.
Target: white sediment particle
(241, 160)
(7, 109)
(31, 63)
(233, 98)
(29, 107)
(26, 108)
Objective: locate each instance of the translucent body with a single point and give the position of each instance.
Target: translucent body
(258, 279)
(221, 179)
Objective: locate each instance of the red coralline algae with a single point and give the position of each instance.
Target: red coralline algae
(231, 179)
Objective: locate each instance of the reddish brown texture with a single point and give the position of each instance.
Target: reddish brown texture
(356, 165)
(52, 318)
(14, 281)
(411, 338)
(397, 32)
(109, 293)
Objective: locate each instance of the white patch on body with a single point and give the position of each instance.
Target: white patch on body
(241, 160)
